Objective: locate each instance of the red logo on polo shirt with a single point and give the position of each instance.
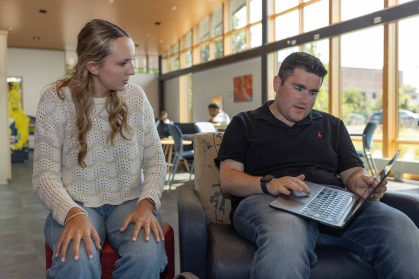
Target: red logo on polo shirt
(319, 135)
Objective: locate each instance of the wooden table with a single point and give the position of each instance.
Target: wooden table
(220, 127)
(168, 144)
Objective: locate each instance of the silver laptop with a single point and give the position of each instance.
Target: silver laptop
(326, 205)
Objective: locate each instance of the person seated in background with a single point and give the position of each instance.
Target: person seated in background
(164, 117)
(217, 116)
(162, 125)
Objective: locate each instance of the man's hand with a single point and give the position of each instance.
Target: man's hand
(361, 184)
(284, 184)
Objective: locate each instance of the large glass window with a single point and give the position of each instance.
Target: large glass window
(256, 35)
(355, 8)
(204, 53)
(153, 64)
(203, 30)
(187, 43)
(176, 57)
(283, 5)
(140, 63)
(238, 14)
(255, 11)
(362, 81)
(187, 40)
(287, 25)
(238, 41)
(217, 22)
(408, 126)
(316, 15)
(320, 49)
(218, 49)
(188, 57)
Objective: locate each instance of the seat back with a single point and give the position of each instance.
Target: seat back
(207, 178)
(187, 128)
(205, 127)
(176, 133)
(369, 132)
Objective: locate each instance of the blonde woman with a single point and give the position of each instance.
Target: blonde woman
(95, 136)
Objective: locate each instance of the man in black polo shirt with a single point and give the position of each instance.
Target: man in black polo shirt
(286, 138)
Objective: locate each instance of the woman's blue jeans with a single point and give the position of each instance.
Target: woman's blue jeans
(139, 259)
(381, 235)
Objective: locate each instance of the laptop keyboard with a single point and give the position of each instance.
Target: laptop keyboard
(328, 205)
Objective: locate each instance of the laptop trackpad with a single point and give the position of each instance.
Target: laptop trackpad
(298, 194)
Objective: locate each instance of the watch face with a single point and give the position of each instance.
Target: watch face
(267, 178)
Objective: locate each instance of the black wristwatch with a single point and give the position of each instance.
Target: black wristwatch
(264, 181)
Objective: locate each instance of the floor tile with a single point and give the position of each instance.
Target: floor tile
(13, 225)
(11, 209)
(17, 244)
(21, 266)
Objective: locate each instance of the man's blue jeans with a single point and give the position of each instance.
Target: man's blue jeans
(139, 259)
(380, 235)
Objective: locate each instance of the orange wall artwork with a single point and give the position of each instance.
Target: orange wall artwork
(243, 89)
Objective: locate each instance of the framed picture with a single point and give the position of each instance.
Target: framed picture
(218, 101)
(243, 89)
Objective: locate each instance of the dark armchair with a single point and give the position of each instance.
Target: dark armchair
(209, 246)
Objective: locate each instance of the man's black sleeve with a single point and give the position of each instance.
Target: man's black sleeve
(234, 144)
(347, 155)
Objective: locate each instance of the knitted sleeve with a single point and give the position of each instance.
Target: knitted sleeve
(47, 179)
(154, 164)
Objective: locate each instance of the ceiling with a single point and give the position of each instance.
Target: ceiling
(59, 26)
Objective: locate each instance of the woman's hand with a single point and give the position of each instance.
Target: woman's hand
(79, 227)
(143, 217)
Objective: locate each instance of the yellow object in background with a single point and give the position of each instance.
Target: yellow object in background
(21, 120)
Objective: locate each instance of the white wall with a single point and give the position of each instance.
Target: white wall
(171, 99)
(38, 68)
(150, 84)
(219, 82)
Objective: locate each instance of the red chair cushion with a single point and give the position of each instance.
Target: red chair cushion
(108, 256)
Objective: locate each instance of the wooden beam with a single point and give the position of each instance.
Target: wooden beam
(390, 90)
(5, 160)
(265, 57)
(182, 99)
(226, 28)
(272, 72)
(334, 62)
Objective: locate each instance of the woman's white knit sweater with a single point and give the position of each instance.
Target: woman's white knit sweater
(114, 172)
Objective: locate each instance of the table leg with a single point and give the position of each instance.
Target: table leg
(169, 159)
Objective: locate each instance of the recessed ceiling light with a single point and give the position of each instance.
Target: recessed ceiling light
(110, 1)
(157, 23)
(36, 38)
(173, 8)
(10, 28)
(43, 11)
(148, 34)
(161, 41)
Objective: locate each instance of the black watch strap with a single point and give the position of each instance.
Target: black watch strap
(264, 183)
(264, 187)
